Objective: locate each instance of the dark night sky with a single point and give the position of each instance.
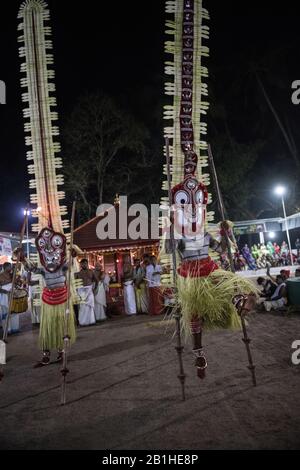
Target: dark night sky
(118, 47)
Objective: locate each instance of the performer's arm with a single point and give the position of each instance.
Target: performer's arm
(169, 246)
(218, 247)
(32, 267)
(33, 283)
(227, 228)
(273, 279)
(28, 265)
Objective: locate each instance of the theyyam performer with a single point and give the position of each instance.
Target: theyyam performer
(51, 247)
(204, 292)
(51, 242)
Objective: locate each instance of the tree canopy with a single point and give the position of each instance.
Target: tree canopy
(107, 152)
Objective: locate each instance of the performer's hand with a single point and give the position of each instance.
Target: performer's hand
(18, 252)
(225, 225)
(250, 304)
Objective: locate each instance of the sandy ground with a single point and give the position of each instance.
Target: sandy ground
(123, 391)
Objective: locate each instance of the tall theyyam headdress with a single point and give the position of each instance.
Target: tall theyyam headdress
(187, 129)
(40, 116)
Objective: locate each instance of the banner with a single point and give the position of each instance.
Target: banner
(248, 229)
(5, 247)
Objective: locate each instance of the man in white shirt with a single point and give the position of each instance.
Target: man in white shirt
(153, 274)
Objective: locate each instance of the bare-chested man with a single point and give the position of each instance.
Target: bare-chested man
(86, 293)
(100, 294)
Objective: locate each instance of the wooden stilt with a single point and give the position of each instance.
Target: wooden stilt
(241, 303)
(179, 348)
(200, 363)
(65, 370)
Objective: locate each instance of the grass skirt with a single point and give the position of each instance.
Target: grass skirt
(210, 298)
(52, 327)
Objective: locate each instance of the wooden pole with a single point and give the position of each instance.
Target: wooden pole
(240, 302)
(221, 205)
(179, 347)
(65, 370)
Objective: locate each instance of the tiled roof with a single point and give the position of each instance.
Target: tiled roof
(87, 239)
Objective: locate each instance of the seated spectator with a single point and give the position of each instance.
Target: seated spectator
(279, 299)
(268, 287)
(285, 274)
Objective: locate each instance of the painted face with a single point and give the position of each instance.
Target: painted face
(189, 200)
(51, 247)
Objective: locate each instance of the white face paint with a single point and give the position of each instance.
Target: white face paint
(52, 249)
(189, 208)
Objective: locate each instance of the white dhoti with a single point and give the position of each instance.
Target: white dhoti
(100, 303)
(87, 306)
(142, 301)
(14, 321)
(275, 304)
(129, 298)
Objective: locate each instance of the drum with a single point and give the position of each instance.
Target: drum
(20, 301)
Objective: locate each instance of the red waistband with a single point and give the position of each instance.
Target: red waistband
(55, 296)
(197, 268)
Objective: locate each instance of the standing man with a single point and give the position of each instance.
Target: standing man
(139, 274)
(129, 294)
(100, 294)
(153, 274)
(5, 289)
(86, 294)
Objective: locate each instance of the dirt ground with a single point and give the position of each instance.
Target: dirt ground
(123, 391)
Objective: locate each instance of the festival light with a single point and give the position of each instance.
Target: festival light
(272, 234)
(280, 191)
(28, 214)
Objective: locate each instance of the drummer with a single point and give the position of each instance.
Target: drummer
(5, 288)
